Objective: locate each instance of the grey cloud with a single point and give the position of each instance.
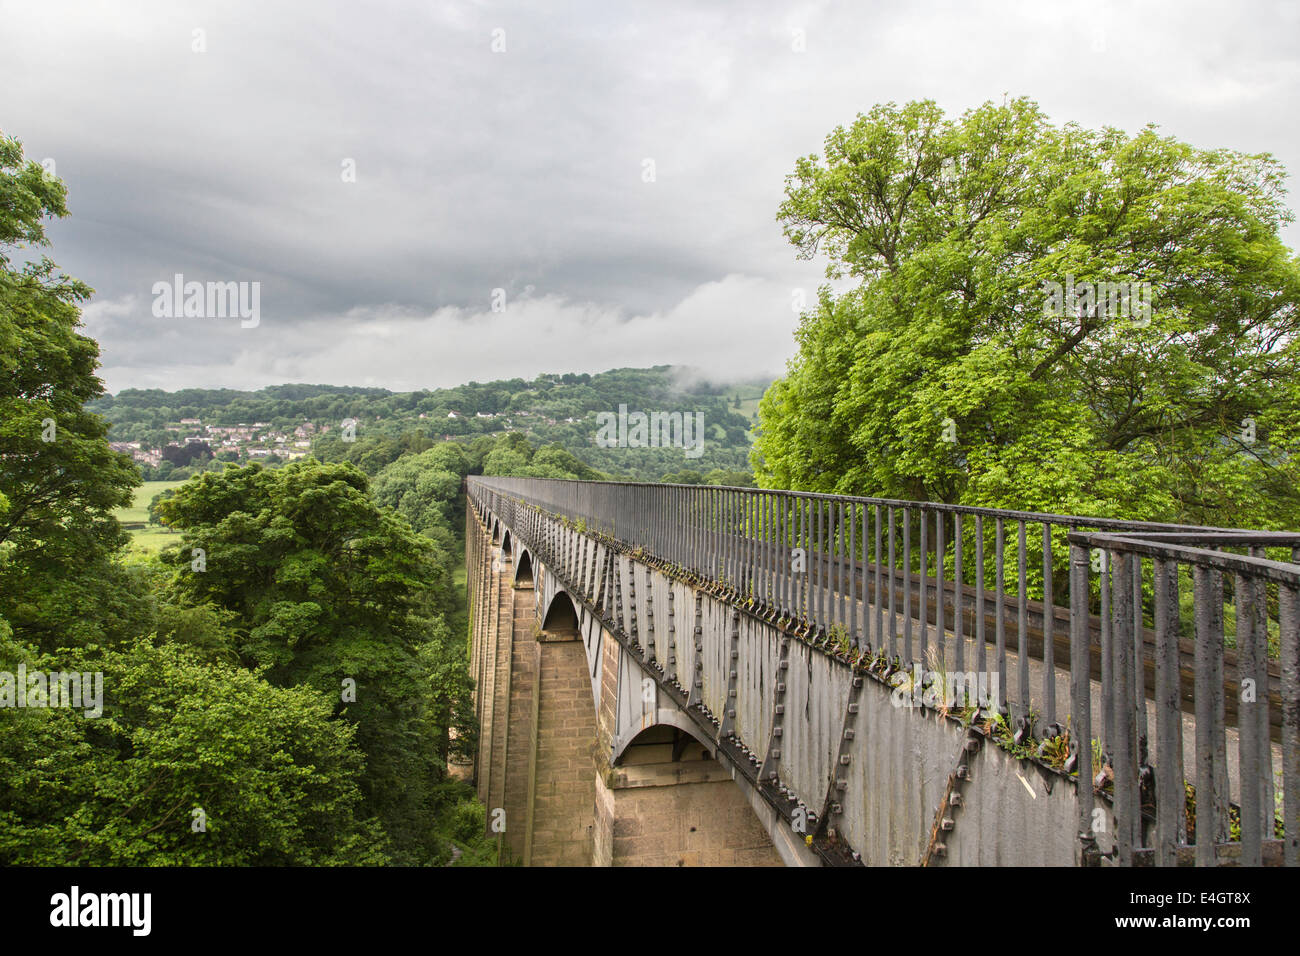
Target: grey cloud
(478, 170)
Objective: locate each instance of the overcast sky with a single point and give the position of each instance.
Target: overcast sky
(524, 169)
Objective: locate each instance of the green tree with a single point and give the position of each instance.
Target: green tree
(424, 487)
(59, 480)
(162, 496)
(953, 372)
(274, 778)
(332, 591)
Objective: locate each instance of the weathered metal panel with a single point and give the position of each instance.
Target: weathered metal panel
(1012, 814)
(715, 656)
(635, 711)
(680, 655)
(900, 759)
(756, 680)
(817, 691)
(686, 637)
(636, 621)
(657, 607)
(592, 641)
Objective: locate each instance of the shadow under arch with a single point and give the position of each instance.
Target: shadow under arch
(561, 618)
(505, 541)
(672, 738)
(524, 569)
(664, 780)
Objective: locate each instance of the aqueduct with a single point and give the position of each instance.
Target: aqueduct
(669, 675)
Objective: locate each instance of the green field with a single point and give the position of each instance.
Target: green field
(749, 396)
(136, 518)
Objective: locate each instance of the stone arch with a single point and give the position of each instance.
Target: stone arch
(668, 801)
(505, 541)
(561, 617)
(524, 569)
(672, 738)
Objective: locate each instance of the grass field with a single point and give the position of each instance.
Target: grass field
(749, 396)
(146, 537)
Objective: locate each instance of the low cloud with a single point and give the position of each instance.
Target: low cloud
(737, 327)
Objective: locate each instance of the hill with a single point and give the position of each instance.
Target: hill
(591, 416)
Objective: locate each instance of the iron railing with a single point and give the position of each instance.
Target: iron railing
(1265, 594)
(1092, 603)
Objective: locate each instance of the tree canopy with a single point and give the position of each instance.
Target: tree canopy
(190, 763)
(956, 370)
(332, 591)
(59, 480)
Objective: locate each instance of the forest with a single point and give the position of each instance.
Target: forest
(552, 409)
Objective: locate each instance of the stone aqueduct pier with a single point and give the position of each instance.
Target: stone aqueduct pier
(677, 675)
(574, 746)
